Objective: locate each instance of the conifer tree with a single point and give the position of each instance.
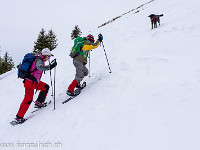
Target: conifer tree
(52, 41)
(45, 41)
(1, 71)
(75, 32)
(41, 43)
(11, 63)
(7, 63)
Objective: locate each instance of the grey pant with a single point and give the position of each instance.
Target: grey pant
(81, 70)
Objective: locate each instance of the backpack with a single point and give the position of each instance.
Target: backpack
(25, 66)
(76, 49)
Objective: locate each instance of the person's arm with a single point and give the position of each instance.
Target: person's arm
(89, 45)
(40, 66)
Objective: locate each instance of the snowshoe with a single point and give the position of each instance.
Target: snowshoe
(18, 120)
(40, 105)
(78, 86)
(74, 93)
(81, 86)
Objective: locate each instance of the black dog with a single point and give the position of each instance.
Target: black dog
(155, 19)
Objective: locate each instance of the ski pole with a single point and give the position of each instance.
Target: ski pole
(89, 64)
(55, 87)
(51, 81)
(106, 57)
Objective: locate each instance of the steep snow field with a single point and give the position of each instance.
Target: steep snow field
(150, 101)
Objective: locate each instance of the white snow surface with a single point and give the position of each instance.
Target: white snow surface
(150, 101)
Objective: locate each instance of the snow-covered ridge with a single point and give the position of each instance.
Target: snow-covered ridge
(137, 10)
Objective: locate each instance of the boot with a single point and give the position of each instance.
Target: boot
(74, 93)
(20, 119)
(40, 105)
(78, 85)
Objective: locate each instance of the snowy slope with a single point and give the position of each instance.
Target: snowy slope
(148, 102)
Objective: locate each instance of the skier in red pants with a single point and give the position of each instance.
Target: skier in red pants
(33, 82)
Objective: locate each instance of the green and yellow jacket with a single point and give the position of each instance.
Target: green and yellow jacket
(87, 46)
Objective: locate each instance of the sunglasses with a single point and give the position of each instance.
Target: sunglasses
(49, 56)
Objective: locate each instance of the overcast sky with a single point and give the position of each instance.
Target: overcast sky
(22, 20)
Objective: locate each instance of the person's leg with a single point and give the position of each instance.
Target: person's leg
(28, 98)
(44, 88)
(79, 75)
(85, 71)
(79, 70)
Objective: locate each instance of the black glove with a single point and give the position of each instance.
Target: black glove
(53, 65)
(100, 37)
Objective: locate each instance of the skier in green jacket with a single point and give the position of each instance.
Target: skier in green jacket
(80, 61)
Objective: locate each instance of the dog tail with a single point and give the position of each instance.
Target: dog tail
(161, 15)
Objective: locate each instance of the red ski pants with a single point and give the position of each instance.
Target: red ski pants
(29, 92)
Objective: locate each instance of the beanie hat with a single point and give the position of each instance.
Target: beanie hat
(46, 52)
(90, 37)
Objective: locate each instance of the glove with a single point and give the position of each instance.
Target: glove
(100, 37)
(53, 65)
